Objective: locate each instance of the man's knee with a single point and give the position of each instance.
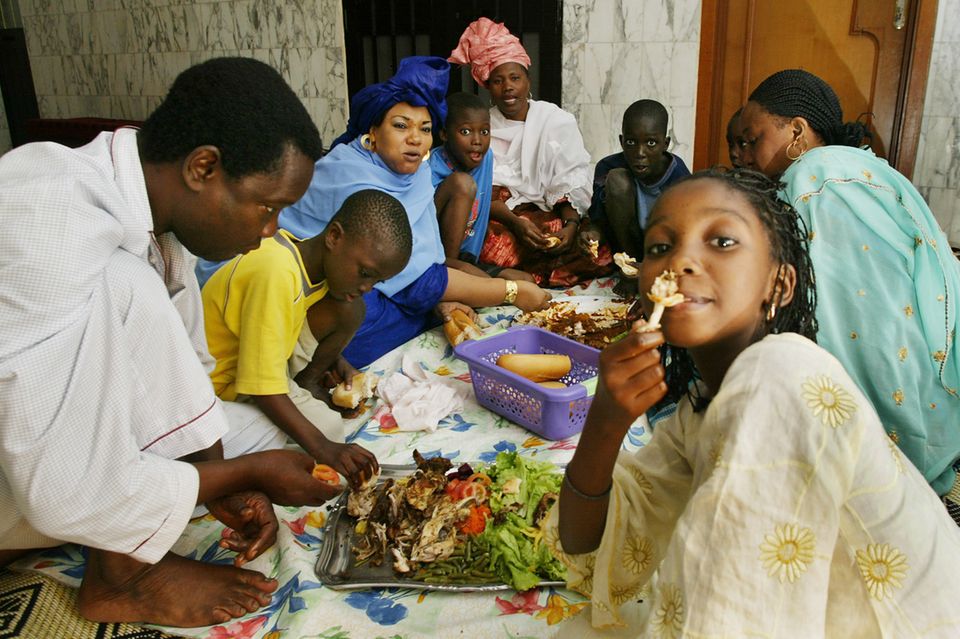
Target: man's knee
(460, 184)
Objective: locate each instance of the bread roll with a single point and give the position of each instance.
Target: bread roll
(536, 368)
(553, 241)
(552, 384)
(460, 328)
(362, 388)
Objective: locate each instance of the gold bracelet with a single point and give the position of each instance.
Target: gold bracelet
(512, 289)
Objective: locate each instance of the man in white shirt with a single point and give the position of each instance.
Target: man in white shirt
(110, 433)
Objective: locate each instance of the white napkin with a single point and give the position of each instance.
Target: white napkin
(418, 399)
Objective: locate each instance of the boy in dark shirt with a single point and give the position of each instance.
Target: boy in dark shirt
(626, 184)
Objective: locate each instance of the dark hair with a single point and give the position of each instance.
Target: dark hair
(239, 105)
(788, 245)
(797, 93)
(374, 214)
(648, 109)
(461, 102)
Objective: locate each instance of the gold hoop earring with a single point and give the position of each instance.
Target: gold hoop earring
(771, 312)
(426, 158)
(367, 142)
(796, 142)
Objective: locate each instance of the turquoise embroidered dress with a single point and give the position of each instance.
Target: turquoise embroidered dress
(887, 288)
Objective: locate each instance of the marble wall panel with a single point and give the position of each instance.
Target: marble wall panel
(619, 51)
(117, 58)
(937, 173)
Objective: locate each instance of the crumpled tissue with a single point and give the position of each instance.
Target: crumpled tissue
(418, 399)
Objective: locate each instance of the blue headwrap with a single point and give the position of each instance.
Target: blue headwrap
(420, 80)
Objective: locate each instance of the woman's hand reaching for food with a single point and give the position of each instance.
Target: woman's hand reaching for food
(531, 297)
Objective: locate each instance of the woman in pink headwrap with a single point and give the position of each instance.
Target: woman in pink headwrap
(541, 168)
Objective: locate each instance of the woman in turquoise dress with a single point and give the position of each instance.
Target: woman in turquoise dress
(887, 280)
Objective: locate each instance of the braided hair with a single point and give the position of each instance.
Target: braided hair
(797, 93)
(788, 245)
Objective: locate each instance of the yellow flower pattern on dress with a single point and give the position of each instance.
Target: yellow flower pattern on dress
(787, 552)
(867, 174)
(883, 568)
(622, 594)
(828, 401)
(638, 554)
(853, 335)
(894, 437)
(902, 353)
(862, 293)
(898, 397)
(908, 310)
(642, 482)
(866, 248)
(940, 356)
(918, 241)
(668, 617)
(811, 235)
(897, 455)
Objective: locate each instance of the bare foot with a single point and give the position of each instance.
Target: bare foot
(173, 592)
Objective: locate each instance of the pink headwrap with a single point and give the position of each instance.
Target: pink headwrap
(485, 45)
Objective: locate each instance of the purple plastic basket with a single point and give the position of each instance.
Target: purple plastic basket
(551, 413)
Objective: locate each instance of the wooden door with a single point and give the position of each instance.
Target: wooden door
(874, 53)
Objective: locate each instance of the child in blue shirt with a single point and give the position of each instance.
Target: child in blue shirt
(626, 184)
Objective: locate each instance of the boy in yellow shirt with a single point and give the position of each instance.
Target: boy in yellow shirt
(255, 306)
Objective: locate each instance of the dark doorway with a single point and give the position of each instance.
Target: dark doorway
(378, 33)
(16, 84)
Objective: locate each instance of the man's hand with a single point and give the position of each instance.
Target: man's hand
(529, 234)
(286, 476)
(443, 309)
(251, 523)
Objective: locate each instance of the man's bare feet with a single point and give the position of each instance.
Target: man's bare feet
(173, 592)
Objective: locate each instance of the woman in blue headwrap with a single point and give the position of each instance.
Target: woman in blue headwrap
(387, 141)
(886, 277)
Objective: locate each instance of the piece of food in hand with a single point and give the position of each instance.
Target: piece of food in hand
(371, 480)
(553, 241)
(552, 384)
(626, 263)
(594, 247)
(361, 388)
(326, 474)
(664, 293)
(460, 328)
(536, 368)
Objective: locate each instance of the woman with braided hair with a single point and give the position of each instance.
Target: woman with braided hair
(887, 280)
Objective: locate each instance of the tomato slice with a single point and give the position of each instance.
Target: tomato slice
(326, 474)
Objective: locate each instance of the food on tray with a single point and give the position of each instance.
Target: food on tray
(466, 525)
(460, 328)
(664, 293)
(552, 384)
(597, 328)
(362, 387)
(553, 241)
(594, 247)
(626, 263)
(536, 368)
(326, 474)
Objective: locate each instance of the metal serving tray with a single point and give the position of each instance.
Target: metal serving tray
(335, 566)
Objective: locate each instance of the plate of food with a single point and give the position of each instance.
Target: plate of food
(435, 527)
(592, 320)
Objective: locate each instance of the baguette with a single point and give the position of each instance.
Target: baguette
(536, 368)
(361, 388)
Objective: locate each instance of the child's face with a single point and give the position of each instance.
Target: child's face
(354, 265)
(644, 145)
(467, 138)
(713, 239)
(735, 142)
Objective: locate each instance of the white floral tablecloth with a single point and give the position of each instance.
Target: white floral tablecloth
(302, 607)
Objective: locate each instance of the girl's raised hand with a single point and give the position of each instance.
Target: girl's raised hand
(631, 378)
